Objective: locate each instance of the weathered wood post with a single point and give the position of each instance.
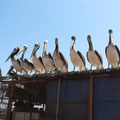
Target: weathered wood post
(58, 99)
(10, 101)
(90, 106)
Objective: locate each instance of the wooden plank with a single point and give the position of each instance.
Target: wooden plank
(58, 99)
(10, 102)
(23, 80)
(90, 104)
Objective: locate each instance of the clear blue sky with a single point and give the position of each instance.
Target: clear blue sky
(28, 21)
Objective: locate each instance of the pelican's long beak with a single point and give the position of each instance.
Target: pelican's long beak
(110, 36)
(73, 41)
(56, 41)
(45, 44)
(20, 51)
(89, 40)
(44, 48)
(57, 45)
(15, 51)
(9, 57)
(36, 47)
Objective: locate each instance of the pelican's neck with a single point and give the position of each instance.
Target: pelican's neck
(72, 44)
(24, 51)
(34, 53)
(57, 47)
(44, 50)
(13, 59)
(110, 39)
(23, 56)
(90, 45)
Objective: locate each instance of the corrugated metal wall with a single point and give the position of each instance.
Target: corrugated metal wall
(74, 99)
(106, 104)
(52, 88)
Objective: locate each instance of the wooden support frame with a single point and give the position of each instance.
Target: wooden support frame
(90, 104)
(58, 99)
(10, 101)
(91, 78)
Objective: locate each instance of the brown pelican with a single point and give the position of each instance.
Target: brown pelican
(77, 58)
(59, 59)
(15, 62)
(48, 59)
(37, 61)
(26, 64)
(112, 52)
(93, 56)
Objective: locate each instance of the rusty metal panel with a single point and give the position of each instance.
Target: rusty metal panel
(106, 104)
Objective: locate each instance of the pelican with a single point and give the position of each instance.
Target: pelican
(93, 56)
(77, 58)
(26, 64)
(48, 59)
(59, 59)
(15, 62)
(37, 61)
(112, 52)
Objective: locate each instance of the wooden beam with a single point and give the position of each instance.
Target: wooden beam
(58, 99)
(10, 101)
(67, 76)
(90, 104)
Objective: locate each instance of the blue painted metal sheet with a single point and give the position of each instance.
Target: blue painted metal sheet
(51, 102)
(106, 104)
(52, 91)
(73, 99)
